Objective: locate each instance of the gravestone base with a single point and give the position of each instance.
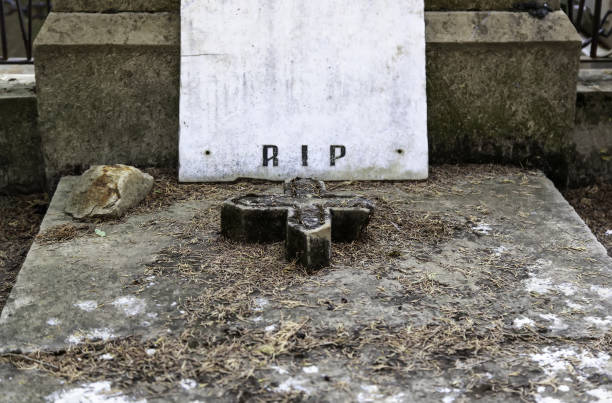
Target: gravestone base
(501, 85)
(480, 283)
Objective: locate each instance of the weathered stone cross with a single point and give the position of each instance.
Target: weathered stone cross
(306, 216)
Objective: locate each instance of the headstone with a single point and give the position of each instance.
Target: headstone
(278, 89)
(302, 217)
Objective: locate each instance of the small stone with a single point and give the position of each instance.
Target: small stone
(108, 191)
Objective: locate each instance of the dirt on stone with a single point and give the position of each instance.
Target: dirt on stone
(234, 357)
(63, 233)
(20, 218)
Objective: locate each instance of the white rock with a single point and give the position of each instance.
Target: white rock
(108, 191)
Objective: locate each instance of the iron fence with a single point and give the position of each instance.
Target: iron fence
(598, 29)
(26, 12)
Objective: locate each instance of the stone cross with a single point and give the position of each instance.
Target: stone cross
(306, 216)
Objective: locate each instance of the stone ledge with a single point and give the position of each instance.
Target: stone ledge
(163, 29)
(98, 6)
(115, 5)
(479, 5)
(128, 29)
(498, 27)
(592, 134)
(17, 85)
(595, 80)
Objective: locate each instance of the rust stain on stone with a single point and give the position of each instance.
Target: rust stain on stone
(104, 188)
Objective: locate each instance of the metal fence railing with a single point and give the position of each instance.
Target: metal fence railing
(17, 33)
(597, 30)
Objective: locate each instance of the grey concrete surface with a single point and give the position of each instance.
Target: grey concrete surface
(73, 272)
(82, 289)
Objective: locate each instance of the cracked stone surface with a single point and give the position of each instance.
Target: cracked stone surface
(518, 269)
(307, 217)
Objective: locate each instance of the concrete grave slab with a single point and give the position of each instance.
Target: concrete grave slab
(79, 284)
(326, 90)
(481, 283)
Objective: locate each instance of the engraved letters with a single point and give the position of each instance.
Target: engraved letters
(270, 154)
(273, 158)
(333, 157)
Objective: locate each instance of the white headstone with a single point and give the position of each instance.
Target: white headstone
(330, 89)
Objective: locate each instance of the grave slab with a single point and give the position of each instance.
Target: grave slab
(279, 90)
(481, 283)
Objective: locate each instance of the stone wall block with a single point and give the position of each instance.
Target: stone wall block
(501, 87)
(108, 95)
(593, 131)
(21, 164)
